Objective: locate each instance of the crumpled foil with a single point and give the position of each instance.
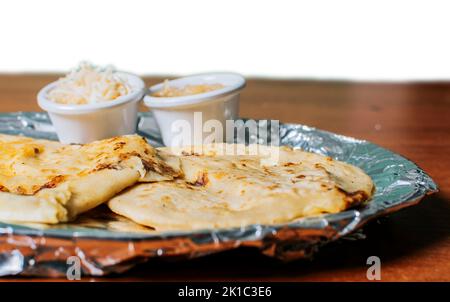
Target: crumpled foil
(107, 243)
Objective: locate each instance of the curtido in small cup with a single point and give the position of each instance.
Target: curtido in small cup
(200, 116)
(84, 123)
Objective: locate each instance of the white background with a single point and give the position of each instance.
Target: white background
(363, 40)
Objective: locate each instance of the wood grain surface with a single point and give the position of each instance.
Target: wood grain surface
(412, 119)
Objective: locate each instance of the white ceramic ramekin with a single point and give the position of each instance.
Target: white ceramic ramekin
(218, 105)
(80, 124)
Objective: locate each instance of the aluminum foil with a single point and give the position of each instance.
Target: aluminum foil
(107, 243)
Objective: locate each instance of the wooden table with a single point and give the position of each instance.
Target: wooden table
(412, 119)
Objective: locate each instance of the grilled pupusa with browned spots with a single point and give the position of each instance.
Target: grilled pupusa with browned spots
(221, 188)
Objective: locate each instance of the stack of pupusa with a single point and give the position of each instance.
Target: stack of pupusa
(47, 182)
(172, 189)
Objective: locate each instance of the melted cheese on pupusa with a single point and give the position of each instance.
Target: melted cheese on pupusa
(28, 165)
